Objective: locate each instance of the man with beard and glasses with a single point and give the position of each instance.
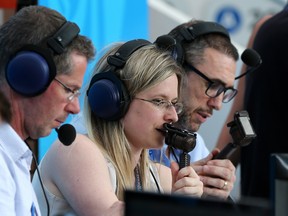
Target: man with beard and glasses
(209, 60)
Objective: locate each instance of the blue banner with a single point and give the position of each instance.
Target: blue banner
(104, 22)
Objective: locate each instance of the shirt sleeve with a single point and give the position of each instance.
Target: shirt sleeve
(200, 151)
(7, 187)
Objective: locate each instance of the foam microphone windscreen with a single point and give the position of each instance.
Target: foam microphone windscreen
(66, 134)
(251, 58)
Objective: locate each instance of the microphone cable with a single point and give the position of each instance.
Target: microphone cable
(40, 179)
(66, 135)
(171, 149)
(155, 180)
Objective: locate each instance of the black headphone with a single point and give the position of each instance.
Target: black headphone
(31, 69)
(189, 34)
(107, 95)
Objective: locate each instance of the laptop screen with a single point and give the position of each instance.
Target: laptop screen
(150, 204)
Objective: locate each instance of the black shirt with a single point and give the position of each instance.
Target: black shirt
(265, 98)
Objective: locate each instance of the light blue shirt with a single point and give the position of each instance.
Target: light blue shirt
(17, 196)
(199, 152)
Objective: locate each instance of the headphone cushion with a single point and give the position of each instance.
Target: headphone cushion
(108, 96)
(105, 99)
(28, 73)
(179, 50)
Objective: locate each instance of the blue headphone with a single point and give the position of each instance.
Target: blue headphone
(31, 69)
(107, 95)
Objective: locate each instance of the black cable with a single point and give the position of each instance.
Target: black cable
(42, 186)
(40, 179)
(174, 154)
(157, 185)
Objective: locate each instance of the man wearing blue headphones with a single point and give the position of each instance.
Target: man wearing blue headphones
(42, 65)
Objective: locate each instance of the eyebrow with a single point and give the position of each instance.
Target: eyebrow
(203, 75)
(73, 87)
(161, 95)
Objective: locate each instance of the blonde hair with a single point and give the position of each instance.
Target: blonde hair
(145, 68)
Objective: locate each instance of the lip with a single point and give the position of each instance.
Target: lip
(59, 122)
(203, 116)
(162, 130)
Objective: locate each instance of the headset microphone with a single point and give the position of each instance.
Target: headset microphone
(66, 134)
(252, 59)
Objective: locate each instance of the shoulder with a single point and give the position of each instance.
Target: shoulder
(62, 161)
(81, 146)
(81, 151)
(165, 177)
(82, 141)
(200, 151)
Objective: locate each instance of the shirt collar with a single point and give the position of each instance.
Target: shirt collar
(13, 144)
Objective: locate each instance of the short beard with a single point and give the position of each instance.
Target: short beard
(183, 121)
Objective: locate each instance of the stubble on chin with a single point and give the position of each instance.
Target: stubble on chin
(183, 121)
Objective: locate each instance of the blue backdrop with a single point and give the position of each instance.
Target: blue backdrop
(104, 21)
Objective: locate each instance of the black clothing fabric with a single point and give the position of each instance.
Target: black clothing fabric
(265, 97)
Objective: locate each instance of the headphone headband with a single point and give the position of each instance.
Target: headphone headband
(190, 33)
(59, 41)
(119, 59)
(203, 28)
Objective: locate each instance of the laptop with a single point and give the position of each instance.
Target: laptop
(150, 204)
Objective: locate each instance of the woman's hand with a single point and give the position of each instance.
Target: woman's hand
(186, 181)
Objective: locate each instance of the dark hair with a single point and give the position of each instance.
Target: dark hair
(194, 50)
(5, 109)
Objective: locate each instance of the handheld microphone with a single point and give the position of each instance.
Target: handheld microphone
(252, 59)
(242, 133)
(66, 134)
(180, 139)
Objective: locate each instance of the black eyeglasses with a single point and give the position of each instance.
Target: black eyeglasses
(71, 93)
(214, 89)
(164, 104)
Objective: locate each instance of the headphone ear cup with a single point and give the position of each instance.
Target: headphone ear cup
(30, 71)
(107, 96)
(179, 53)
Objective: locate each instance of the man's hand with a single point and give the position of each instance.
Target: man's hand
(218, 176)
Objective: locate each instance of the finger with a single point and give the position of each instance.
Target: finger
(196, 191)
(174, 171)
(198, 165)
(204, 160)
(187, 177)
(187, 171)
(216, 192)
(198, 168)
(189, 185)
(224, 185)
(215, 151)
(222, 163)
(217, 184)
(219, 172)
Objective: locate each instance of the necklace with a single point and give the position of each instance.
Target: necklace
(138, 183)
